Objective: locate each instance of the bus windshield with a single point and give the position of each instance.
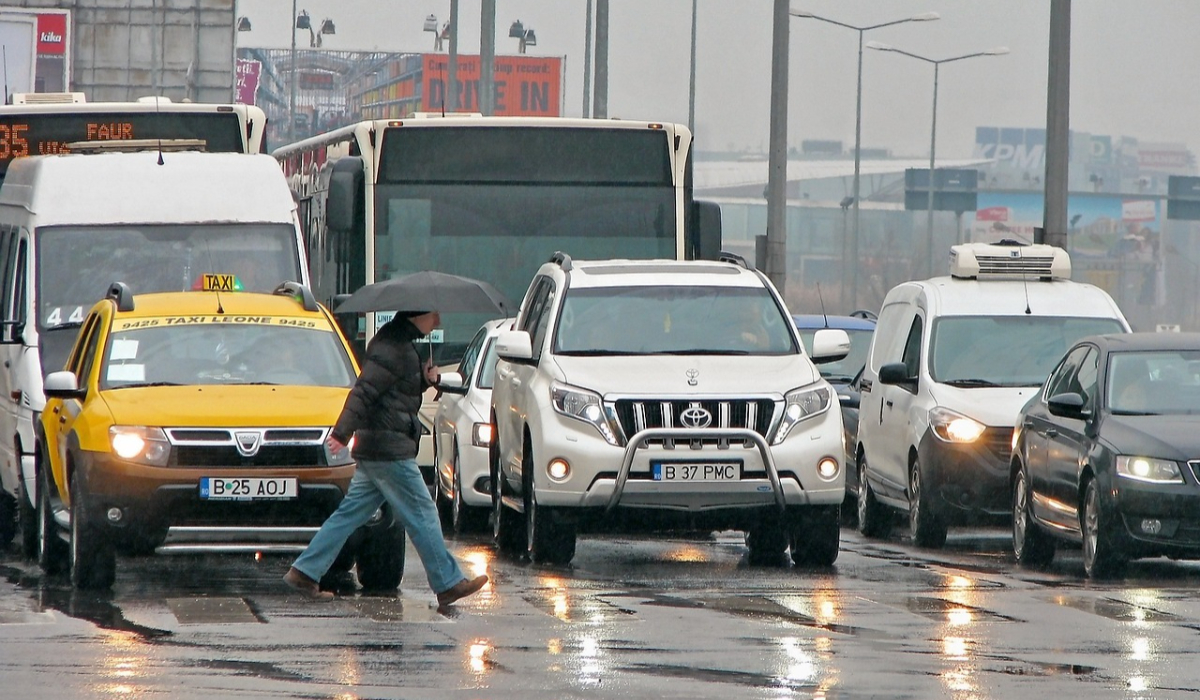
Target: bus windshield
(76, 264)
(494, 203)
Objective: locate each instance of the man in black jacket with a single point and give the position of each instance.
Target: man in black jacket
(381, 414)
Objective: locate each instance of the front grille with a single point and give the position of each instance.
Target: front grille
(246, 447)
(636, 415)
(998, 442)
(996, 265)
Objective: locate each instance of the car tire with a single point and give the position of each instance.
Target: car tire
(816, 537)
(549, 539)
(8, 520)
(464, 518)
(874, 520)
(444, 502)
(768, 540)
(1032, 546)
(27, 517)
(91, 556)
(379, 561)
(51, 550)
(1103, 553)
(507, 534)
(927, 528)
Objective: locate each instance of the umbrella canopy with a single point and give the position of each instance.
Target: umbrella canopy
(427, 291)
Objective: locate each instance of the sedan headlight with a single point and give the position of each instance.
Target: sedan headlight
(140, 444)
(582, 405)
(952, 426)
(1154, 471)
(800, 405)
(340, 457)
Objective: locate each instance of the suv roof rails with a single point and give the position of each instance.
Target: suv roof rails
(562, 260)
(122, 294)
(300, 293)
(726, 256)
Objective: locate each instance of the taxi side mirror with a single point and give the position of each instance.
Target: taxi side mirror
(62, 385)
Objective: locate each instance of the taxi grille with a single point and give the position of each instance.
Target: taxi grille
(636, 415)
(246, 447)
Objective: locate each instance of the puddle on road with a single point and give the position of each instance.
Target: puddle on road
(943, 610)
(1117, 610)
(249, 669)
(204, 611)
(396, 609)
(720, 675)
(764, 608)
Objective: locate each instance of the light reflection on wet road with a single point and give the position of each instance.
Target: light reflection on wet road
(631, 618)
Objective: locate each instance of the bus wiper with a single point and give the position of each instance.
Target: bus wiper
(66, 325)
(969, 382)
(141, 385)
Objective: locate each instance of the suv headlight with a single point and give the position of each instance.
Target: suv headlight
(582, 405)
(1154, 471)
(140, 444)
(338, 458)
(800, 405)
(952, 426)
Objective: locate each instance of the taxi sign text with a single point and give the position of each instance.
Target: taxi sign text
(218, 283)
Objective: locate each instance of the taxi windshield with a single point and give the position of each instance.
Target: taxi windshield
(224, 353)
(77, 264)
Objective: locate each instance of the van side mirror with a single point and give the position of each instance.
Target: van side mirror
(514, 346)
(896, 374)
(1068, 405)
(830, 345)
(62, 385)
(452, 383)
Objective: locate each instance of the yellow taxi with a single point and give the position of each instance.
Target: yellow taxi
(196, 422)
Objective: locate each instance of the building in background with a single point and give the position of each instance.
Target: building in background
(335, 88)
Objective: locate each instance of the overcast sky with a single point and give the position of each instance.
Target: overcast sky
(1135, 64)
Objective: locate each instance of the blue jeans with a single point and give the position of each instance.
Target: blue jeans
(400, 484)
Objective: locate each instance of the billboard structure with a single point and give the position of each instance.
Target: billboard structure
(335, 88)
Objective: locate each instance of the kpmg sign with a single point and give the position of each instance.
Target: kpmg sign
(1022, 149)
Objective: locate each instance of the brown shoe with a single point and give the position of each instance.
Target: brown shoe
(307, 587)
(462, 589)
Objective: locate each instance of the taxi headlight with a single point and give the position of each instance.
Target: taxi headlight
(800, 405)
(1155, 471)
(952, 426)
(140, 444)
(585, 406)
(340, 457)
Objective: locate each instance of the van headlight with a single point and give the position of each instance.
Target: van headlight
(135, 443)
(800, 405)
(952, 426)
(582, 405)
(1154, 471)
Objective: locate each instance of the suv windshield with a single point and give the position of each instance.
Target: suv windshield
(673, 319)
(1006, 350)
(225, 353)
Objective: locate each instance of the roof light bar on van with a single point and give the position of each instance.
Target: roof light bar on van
(1009, 260)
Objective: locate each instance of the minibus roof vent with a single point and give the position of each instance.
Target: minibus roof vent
(1009, 259)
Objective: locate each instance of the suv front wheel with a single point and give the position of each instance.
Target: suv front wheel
(548, 538)
(506, 524)
(816, 536)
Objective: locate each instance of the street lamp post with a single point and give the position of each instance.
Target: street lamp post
(852, 263)
(997, 51)
(292, 79)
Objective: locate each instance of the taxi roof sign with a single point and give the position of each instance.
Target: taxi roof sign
(208, 282)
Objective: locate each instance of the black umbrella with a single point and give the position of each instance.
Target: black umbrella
(427, 291)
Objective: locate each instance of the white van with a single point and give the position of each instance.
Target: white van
(952, 362)
(71, 225)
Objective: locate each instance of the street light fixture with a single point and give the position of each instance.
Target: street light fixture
(439, 35)
(243, 24)
(997, 51)
(852, 262)
(302, 20)
(526, 36)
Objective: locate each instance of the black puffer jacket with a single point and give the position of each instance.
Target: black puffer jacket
(381, 410)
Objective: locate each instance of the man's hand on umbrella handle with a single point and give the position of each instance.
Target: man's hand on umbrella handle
(334, 444)
(432, 375)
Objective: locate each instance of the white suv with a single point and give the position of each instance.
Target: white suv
(663, 395)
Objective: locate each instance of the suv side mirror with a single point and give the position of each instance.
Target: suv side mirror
(514, 346)
(830, 345)
(1068, 405)
(453, 383)
(62, 385)
(895, 374)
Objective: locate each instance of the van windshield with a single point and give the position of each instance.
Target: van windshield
(675, 319)
(76, 264)
(978, 351)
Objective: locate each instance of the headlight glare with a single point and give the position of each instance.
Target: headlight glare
(140, 444)
(1154, 471)
(951, 426)
(802, 404)
(583, 405)
(481, 434)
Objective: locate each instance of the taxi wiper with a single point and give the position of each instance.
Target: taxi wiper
(969, 382)
(140, 385)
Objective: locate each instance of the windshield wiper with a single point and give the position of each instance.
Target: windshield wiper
(141, 385)
(1124, 412)
(704, 351)
(969, 382)
(598, 353)
(66, 325)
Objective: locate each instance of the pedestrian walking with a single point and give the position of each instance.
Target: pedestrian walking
(381, 415)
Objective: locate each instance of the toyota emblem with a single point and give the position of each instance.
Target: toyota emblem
(695, 416)
(692, 375)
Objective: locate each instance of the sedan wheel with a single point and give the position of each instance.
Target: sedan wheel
(1103, 555)
(464, 518)
(1031, 545)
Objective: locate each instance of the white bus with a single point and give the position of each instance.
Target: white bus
(51, 123)
(490, 198)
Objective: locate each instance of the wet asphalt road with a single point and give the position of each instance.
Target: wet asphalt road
(631, 618)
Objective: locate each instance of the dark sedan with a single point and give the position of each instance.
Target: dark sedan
(1107, 454)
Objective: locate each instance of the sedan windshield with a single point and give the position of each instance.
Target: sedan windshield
(226, 353)
(673, 319)
(1155, 382)
(1006, 350)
